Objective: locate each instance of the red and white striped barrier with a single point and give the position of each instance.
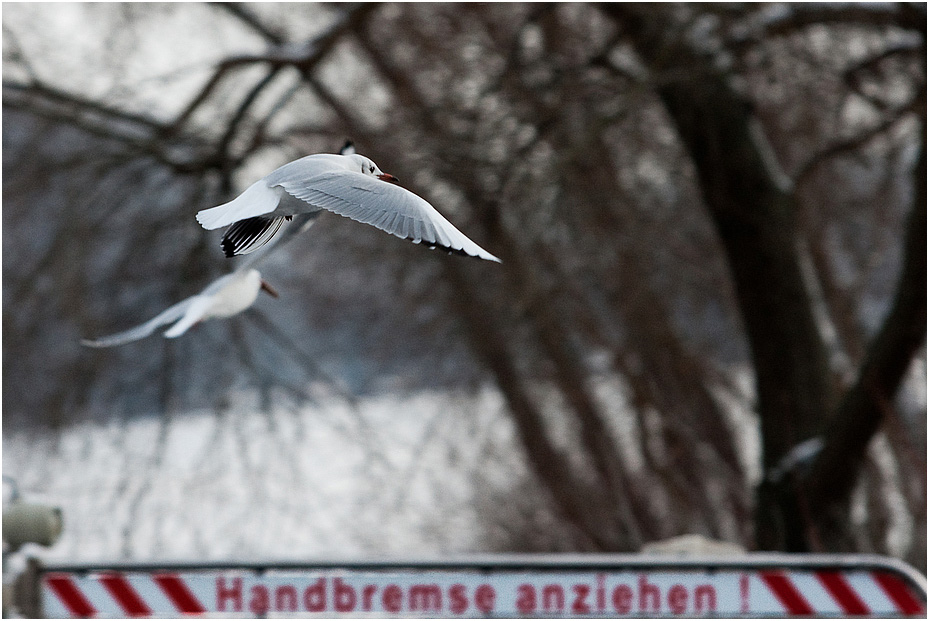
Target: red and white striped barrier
(559, 590)
(121, 595)
(841, 593)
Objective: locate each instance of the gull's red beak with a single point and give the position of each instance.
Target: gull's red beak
(268, 288)
(388, 178)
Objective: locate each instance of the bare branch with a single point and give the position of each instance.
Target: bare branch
(240, 10)
(848, 145)
(901, 335)
(303, 57)
(777, 20)
(76, 106)
(222, 149)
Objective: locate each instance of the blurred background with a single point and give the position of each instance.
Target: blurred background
(710, 317)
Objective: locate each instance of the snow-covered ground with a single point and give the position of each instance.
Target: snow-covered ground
(391, 475)
(428, 473)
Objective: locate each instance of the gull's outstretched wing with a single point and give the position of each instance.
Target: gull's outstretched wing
(226, 296)
(167, 316)
(386, 206)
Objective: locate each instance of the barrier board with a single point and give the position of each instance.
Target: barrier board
(549, 586)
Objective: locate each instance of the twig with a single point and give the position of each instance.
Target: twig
(221, 156)
(248, 18)
(258, 135)
(279, 56)
(844, 146)
(785, 20)
(80, 103)
(302, 357)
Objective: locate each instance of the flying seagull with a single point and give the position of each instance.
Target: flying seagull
(348, 184)
(226, 296)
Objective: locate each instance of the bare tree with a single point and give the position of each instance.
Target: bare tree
(660, 182)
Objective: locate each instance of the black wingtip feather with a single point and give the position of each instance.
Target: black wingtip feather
(228, 248)
(250, 234)
(447, 249)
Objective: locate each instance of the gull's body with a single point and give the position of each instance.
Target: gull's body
(349, 185)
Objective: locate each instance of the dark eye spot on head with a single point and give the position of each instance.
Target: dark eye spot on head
(371, 169)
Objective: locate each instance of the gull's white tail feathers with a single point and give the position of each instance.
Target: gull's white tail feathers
(257, 200)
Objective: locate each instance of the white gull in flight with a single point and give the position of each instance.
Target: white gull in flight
(350, 185)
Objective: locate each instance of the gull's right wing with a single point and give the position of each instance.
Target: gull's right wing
(167, 316)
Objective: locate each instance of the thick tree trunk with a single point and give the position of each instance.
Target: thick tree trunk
(754, 217)
(755, 221)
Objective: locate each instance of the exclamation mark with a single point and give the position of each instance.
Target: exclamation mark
(743, 590)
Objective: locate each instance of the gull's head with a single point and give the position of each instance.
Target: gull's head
(366, 166)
